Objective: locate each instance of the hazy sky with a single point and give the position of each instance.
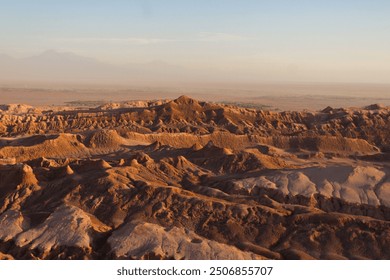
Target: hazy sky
(275, 40)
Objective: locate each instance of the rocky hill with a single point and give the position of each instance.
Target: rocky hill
(184, 179)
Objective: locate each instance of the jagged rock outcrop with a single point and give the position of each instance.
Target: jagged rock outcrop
(191, 116)
(186, 179)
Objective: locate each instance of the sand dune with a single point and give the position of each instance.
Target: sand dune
(186, 179)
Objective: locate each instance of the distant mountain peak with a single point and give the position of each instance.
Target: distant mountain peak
(67, 67)
(54, 55)
(52, 51)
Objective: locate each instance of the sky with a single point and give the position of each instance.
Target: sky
(261, 40)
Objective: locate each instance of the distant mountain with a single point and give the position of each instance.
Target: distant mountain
(53, 66)
(6, 58)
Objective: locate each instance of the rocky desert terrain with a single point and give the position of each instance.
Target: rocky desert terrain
(185, 179)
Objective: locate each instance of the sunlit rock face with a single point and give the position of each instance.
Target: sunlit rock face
(186, 179)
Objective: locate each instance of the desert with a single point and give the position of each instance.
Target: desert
(182, 178)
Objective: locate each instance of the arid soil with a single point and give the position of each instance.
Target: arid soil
(184, 179)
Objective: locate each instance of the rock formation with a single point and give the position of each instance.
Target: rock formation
(185, 179)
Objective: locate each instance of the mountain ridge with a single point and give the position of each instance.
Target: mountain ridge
(189, 179)
(55, 66)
